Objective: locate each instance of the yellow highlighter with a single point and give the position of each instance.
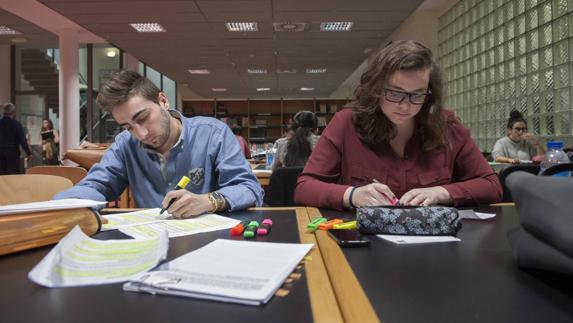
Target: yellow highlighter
(345, 226)
(181, 185)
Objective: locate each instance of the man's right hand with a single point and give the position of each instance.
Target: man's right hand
(187, 204)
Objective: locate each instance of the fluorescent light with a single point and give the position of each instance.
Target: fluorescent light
(4, 30)
(307, 89)
(110, 53)
(336, 26)
(242, 26)
(291, 71)
(261, 89)
(199, 72)
(257, 71)
(148, 27)
(289, 26)
(219, 89)
(315, 70)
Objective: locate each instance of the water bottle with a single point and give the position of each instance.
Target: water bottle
(555, 155)
(270, 157)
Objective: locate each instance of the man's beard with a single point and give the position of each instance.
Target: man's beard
(166, 125)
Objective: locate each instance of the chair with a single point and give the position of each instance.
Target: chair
(27, 188)
(280, 191)
(565, 167)
(504, 172)
(74, 174)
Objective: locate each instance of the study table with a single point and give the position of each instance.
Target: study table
(475, 280)
(310, 299)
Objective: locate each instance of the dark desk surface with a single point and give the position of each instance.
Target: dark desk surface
(23, 301)
(475, 280)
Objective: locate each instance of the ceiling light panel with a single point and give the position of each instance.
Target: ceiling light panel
(315, 70)
(148, 27)
(242, 26)
(289, 26)
(257, 71)
(4, 30)
(219, 89)
(263, 89)
(286, 71)
(307, 89)
(200, 72)
(336, 26)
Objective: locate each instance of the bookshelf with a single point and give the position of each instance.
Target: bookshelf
(263, 120)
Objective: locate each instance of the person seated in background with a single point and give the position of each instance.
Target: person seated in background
(158, 147)
(296, 150)
(288, 133)
(236, 129)
(49, 137)
(519, 145)
(398, 141)
(12, 136)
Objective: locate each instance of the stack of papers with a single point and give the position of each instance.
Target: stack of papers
(50, 205)
(219, 272)
(149, 223)
(471, 214)
(78, 260)
(400, 239)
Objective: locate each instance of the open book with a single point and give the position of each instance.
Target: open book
(245, 272)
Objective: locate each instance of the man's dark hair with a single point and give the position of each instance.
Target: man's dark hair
(122, 86)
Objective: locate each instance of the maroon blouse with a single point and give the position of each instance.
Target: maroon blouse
(340, 160)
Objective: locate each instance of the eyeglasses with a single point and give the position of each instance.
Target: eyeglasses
(399, 96)
(520, 129)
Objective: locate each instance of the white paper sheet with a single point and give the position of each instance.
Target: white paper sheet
(78, 260)
(49, 205)
(471, 214)
(178, 228)
(398, 239)
(121, 220)
(219, 271)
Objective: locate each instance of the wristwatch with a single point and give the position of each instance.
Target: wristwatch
(218, 201)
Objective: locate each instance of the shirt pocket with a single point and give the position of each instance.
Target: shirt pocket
(434, 178)
(360, 176)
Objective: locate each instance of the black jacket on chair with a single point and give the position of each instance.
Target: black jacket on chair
(282, 183)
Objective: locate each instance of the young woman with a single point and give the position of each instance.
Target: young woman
(398, 142)
(296, 150)
(519, 144)
(50, 139)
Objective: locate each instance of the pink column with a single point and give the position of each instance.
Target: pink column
(69, 91)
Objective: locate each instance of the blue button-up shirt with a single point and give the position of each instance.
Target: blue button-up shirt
(207, 152)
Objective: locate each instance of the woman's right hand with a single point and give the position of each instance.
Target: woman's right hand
(372, 194)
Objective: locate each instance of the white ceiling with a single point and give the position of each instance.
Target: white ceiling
(196, 39)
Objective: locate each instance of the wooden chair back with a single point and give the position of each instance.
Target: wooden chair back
(74, 174)
(27, 188)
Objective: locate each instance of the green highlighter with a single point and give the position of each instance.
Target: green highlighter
(313, 226)
(251, 230)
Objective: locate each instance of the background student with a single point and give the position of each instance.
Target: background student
(11, 138)
(158, 147)
(397, 142)
(236, 129)
(519, 144)
(296, 150)
(49, 137)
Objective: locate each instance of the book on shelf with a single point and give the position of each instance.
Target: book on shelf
(245, 121)
(322, 108)
(321, 121)
(260, 122)
(333, 108)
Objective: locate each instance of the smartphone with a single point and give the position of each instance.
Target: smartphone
(349, 238)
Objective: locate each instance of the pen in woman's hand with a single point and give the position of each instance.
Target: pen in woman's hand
(394, 200)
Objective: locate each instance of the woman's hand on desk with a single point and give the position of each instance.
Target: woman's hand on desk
(426, 196)
(187, 204)
(372, 194)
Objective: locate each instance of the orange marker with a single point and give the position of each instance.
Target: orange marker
(329, 224)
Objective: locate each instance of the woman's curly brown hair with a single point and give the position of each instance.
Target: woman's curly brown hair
(372, 126)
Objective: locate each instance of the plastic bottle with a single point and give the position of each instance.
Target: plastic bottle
(270, 157)
(555, 155)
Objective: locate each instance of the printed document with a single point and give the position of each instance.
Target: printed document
(471, 214)
(50, 205)
(78, 260)
(147, 224)
(222, 271)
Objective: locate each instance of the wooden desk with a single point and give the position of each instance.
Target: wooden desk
(475, 280)
(311, 299)
(262, 174)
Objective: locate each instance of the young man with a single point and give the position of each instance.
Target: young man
(11, 138)
(160, 146)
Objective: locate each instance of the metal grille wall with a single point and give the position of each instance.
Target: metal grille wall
(500, 55)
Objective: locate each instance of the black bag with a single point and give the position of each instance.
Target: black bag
(408, 220)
